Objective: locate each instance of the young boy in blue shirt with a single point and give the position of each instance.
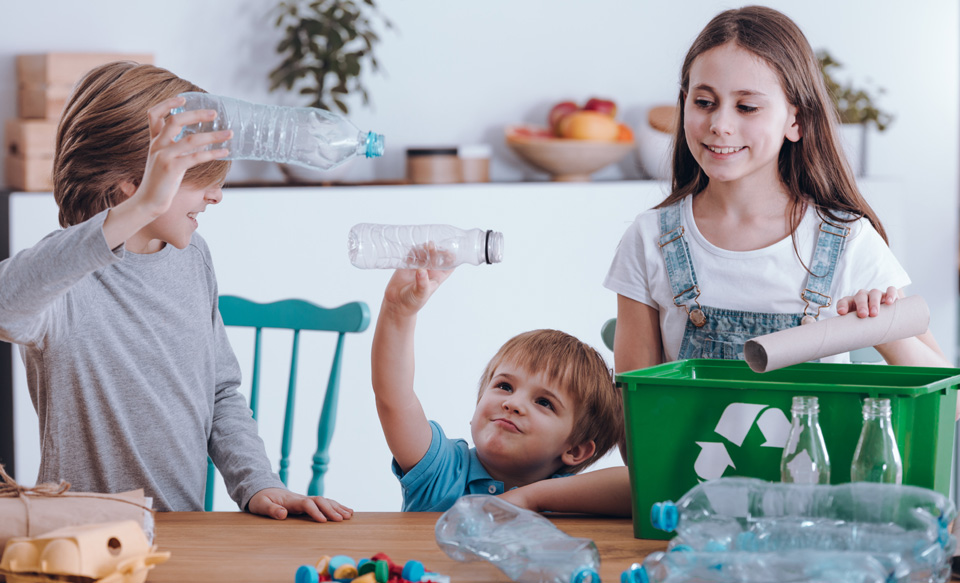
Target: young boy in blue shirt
(547, 408)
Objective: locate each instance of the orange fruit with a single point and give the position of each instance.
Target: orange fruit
(625, 135)
(589, 125)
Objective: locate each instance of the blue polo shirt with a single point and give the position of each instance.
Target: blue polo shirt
(450, 469)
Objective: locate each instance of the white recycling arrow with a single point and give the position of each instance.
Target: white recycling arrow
(736, 421)
(712, 461)
(775, 427)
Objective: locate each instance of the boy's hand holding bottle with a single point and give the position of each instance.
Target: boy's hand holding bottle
(168, 159)
(408, 290)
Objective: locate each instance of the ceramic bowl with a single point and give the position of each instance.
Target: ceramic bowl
(566, 160)
(654, 145)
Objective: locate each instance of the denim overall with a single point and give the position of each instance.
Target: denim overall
(719, 333)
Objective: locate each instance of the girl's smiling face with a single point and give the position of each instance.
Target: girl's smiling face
(736, 115)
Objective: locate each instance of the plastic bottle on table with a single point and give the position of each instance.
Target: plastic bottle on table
(899, 524)
(877, 458)
(527, 547)
(372, 246)
(805, 459)
(744, 567)
(306, 136)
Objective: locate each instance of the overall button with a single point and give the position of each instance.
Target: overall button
(492, 489)
(698, 317)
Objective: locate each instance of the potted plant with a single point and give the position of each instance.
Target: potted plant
(857, 110)
(326, 45)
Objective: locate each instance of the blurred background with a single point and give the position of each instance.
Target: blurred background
(456, 74)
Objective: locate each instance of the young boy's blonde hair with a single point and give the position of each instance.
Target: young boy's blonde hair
(577, 368)
(104, 137)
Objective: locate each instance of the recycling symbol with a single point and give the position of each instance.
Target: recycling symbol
(735, 422)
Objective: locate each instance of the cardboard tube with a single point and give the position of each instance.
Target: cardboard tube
(905, 318)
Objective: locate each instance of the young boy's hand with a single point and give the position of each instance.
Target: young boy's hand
(169, 160)
(408, 289)
(278, 503)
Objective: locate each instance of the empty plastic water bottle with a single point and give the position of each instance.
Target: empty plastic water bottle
(899, 524)
(741, 567)
(373, 246)
(877, 458)
(527, 547)
(805, 459)
(306, 136)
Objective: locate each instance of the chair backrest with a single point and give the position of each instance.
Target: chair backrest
(295, 315)
(607, 332)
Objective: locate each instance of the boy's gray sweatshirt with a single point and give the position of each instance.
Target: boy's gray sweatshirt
(129, 369)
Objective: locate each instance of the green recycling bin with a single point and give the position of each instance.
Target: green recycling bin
(694, 420)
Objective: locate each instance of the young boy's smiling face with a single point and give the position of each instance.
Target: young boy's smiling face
(522, 426)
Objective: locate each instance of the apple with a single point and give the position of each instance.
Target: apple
(589, 125)
(604, 106)
(558, 111)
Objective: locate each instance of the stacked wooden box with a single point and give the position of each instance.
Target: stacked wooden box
(44, 83)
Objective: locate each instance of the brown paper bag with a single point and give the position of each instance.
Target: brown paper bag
(32, 511)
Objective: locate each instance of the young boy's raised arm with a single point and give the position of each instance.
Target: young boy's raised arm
(404, 423)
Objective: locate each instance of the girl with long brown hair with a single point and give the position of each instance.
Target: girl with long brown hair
(764, 227)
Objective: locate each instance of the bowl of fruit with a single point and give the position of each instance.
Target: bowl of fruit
(577, 142)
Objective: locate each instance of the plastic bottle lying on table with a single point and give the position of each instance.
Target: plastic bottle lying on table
(527, 547)
(742, 567)
(904, 527)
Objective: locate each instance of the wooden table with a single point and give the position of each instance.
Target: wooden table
(237, 547)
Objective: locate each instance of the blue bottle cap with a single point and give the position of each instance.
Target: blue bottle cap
(307, 574)
(664, 516)
(374, 145)
(337, 561)
(412, 571)
(682, 549)
(633, 574)
(585, 575)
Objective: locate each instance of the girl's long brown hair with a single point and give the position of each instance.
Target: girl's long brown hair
(103, 138)
(813, 169)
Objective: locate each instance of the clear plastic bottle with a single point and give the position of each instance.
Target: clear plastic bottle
(805, 459)
(527, 547)
(372, 246)
(306, 136)
(900, 525)
(877, 458)
(745, 567)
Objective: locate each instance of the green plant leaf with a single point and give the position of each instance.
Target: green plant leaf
(853, 105)
(318, 41)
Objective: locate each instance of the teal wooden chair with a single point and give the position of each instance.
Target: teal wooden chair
(295, 315)
(607, 331)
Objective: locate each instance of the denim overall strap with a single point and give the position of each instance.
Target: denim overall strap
(830, 241)
(676, 255)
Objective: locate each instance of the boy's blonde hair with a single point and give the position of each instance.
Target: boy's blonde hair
(104, 136)
(577, 368)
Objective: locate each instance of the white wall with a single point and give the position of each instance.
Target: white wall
(559, 239)
(458, 72)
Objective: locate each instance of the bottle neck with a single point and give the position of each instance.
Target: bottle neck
(876, 409)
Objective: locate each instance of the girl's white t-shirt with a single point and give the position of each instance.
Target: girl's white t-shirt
(767, 280)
